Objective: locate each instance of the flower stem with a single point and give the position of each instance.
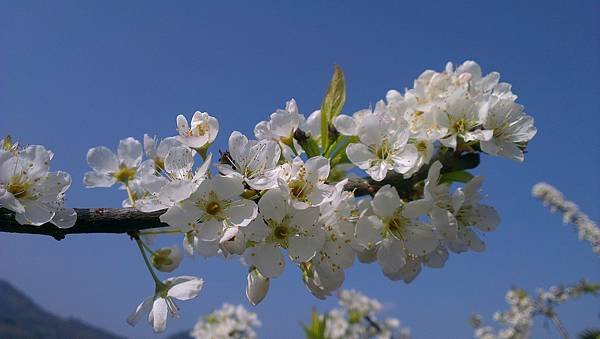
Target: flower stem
(141, 245)
(160, 232)
(130, 195)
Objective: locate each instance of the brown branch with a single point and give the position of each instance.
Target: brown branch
(89, 220)
(452, 162)
(127, 220)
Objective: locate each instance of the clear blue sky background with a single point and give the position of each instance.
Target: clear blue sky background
(74, 75)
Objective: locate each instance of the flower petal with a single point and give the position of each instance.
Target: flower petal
(130, 152)
(142, 308)
(187, 289)
(102, 160)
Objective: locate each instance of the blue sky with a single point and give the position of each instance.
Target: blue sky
(74, 75)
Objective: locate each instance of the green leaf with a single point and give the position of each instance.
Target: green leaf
(332, 104)
(590, 334)
(316, 328)
(457, 176)
(309, 145)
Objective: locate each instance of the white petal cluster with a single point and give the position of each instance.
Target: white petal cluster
(228, 322)
(458, 108)
(553, 198)
(517, 322)
(291, 195)
(358, 318)
(28, 188)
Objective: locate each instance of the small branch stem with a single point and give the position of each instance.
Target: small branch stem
(146, 261)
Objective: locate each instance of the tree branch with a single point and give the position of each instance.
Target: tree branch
(451, 162)
(89, 220)
(126, 220)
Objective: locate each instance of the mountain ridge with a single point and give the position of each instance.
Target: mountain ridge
(22, 318)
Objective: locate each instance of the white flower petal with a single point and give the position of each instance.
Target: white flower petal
(210, 230)
(94, 179)
(227, 188)
(345, 125)
(267, 258)
(273, 205)
(368, 231)
(158, 315)
(187, 289)
(130, 152)
(302, 248)
(421, 239)
(257, 230)
(35, 213)
(360, 155)
(241, 212)
(305, 218)
(390, 255)
(64, 218)
(386, 202)
(142, 308)
(102, 160)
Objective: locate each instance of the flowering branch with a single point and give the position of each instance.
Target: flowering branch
(126, 220)
(291, 191)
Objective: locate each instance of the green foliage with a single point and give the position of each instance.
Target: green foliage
(457, 176)
(316, 328)
(332, 104)
(590, 334)
(309, 145)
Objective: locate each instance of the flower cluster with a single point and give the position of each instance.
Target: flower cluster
(28, 188)
(518, 319)
(458, 108)
(358, 317)
(289, 192)
(586, 227)
(228, 322)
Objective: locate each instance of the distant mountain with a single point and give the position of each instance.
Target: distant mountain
(21, 318)
(180, 335)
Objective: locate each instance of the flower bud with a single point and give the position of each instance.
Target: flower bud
(233, 241)
(257, 287)
(166, 259)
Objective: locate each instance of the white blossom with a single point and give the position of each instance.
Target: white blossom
(512, 129)
(212, 208)
(395, 230)
(228, 322)
(108, 168)
(31, 191)
(254, 161)
(162, 304)
(201, 132)
(304, 182)
(383, 146)
(282, 124)
(280, 225)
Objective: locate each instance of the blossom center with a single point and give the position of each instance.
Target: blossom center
(421, 146)
(281, 232)
(384, 150)
(200, 129)
(460, 126)
(397, 226)
(17, 188)
(213, 208)
(124, 174)
(298, 188)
